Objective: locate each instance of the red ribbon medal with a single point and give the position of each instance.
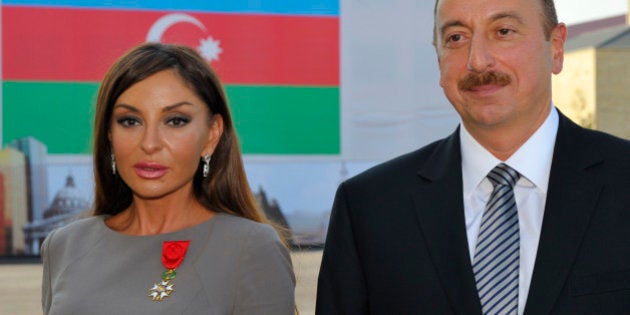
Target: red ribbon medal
(173, 253)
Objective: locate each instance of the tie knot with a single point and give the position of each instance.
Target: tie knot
(503, 175)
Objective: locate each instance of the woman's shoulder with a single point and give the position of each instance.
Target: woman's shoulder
(238, 240)
(246, 243)
(82, 225)
(252, 269)
(76, 234)
(242, 229)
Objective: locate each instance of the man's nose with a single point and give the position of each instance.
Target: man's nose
(480, 56)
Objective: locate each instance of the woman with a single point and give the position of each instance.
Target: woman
(176, 229)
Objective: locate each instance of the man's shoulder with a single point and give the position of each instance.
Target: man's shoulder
(608, 141)
(611, 148)
(404, 166)
(614, 151)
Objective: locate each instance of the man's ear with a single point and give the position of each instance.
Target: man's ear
(557, 39)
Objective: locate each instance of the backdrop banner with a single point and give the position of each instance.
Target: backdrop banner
(320, 90)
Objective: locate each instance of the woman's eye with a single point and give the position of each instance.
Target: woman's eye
(178, 121)
(128, 121)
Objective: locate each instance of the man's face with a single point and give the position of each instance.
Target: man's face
(495, 62)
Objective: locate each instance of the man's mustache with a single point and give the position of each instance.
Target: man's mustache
(473, 80)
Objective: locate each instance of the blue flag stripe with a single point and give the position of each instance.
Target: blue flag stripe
(288, 7)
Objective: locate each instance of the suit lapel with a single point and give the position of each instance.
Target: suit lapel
(574, 186)
(439, 206)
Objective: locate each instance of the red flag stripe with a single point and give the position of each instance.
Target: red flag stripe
(69, 44)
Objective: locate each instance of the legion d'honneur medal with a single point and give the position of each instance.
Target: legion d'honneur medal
(173, 253)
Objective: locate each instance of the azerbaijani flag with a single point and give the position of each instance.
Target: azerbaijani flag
(279, 60)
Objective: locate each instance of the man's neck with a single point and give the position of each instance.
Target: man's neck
(504, 140)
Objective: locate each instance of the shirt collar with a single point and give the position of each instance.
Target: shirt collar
(532, 160)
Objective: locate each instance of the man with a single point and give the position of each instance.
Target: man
(519, 211)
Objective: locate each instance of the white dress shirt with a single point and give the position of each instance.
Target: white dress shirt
(533, 161)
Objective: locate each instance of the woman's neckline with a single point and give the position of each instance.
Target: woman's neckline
(200, 226)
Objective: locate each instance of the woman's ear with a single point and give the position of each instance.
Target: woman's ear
(216, 131)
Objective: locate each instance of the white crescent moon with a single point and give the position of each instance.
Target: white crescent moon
(162, 24)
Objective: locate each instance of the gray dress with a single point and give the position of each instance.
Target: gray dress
(233, 266)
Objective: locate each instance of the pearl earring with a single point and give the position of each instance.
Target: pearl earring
(113, 164)
(206, 165)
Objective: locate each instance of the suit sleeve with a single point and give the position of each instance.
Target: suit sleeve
(341, 287)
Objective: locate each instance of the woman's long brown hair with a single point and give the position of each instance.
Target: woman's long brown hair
(225, 189)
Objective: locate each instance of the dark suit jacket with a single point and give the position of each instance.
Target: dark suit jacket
(397, 242)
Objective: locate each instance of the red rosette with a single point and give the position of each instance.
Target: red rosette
(173, 253)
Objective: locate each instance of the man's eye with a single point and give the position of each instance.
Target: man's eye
(505, 31)
(454, 38)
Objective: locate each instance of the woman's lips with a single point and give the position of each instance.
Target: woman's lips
(150, 170)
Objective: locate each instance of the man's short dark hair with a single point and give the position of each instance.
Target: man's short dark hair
(549, 11)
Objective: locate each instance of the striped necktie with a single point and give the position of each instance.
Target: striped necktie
(496, 259)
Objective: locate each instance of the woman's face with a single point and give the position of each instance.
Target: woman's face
(159, 131)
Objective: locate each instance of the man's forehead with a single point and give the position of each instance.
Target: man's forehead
(460, 10)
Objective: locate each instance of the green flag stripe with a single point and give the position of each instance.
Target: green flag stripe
(269, 119)
(286, 120)
(57, 114)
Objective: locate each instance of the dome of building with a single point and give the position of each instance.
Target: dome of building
(68, 200)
